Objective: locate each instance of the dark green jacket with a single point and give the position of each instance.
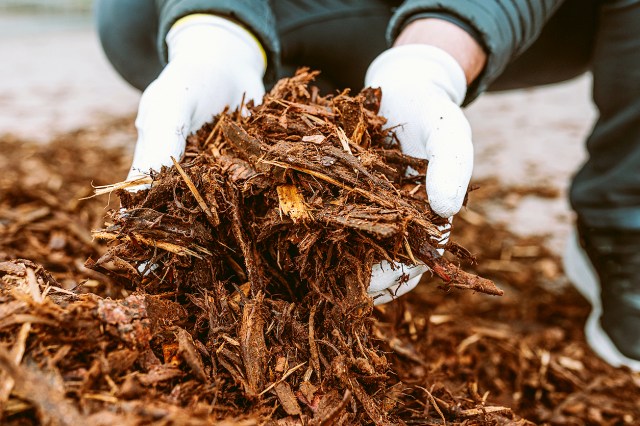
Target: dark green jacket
(504, 27)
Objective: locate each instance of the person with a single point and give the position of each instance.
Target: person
(191, 58)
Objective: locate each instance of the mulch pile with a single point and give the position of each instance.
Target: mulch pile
(234, 290)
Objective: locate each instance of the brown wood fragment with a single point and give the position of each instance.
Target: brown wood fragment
(247, 147)
(330, 417)
(13, 268)
(236, 168)
(483, 410)
(287, 399)
(121, 360)
(341, 371)
(17, 352)
(317, 139)
(344, 140)
(34, 386)
(398, 157)
(188, 351)
(447, 271)
(252, 346)
(312, 110)
(373, 224)
(369, 195)
(281, 364)
(164, 245)
(292, 204)
(456, 277)
(159, 373)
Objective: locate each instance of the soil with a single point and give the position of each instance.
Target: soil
(81, 346)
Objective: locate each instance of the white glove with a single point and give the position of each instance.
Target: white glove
(422, 90)
(213, 62)
(390, 281)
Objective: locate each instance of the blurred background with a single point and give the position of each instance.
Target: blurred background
(55, 79)
(41, 16)
(58, 6)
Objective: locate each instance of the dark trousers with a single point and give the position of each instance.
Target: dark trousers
(341, 38)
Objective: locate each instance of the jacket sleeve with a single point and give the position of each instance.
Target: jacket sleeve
(505, 28)
(255, 15)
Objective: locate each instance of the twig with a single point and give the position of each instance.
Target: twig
(107, 189)
(287, 374)
(321, 176)
(213, 131)
(211, 212)
(435, 404)
(484, 410)
(407, 247)
(172, 248)
(313, 347)
(344, 140)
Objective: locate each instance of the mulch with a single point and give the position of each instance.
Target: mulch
(247, 304)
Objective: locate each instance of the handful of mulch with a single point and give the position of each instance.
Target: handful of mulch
(266, 234)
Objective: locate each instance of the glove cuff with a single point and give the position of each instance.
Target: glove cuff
(416, 65)
(228, 41)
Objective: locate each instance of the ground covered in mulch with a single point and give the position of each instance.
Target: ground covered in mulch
(181, 343)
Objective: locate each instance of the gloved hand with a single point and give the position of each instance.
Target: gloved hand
(390, 281)
(422, 90)
(213, 62)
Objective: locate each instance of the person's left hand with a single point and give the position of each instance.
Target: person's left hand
(422, 90)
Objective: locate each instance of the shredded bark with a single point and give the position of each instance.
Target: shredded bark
(315, 207)
(261, 317)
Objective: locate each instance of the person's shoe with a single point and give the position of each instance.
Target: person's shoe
(604, 266)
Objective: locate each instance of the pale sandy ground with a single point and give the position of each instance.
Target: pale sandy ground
(54, 79)
(533, 137)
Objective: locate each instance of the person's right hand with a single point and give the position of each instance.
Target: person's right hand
(213, 63)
